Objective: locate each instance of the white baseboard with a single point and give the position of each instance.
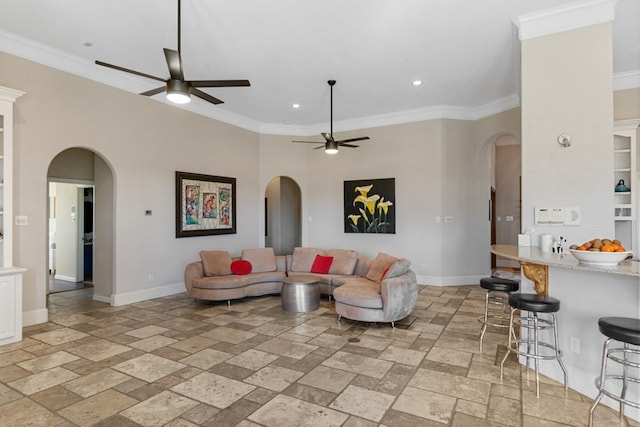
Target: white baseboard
(102, 298)
(450, 281)
(35, 317)
(146, 294)
(71, 279)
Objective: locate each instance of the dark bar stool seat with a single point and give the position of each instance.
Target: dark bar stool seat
(533, 323)
(624, 330)
(497, 288)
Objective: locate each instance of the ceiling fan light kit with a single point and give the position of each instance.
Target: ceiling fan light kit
(178, 90)
(331, 145)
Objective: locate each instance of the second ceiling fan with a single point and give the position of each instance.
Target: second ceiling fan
(331, 145)
(178, 89)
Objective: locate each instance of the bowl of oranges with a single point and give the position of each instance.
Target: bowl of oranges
(604, 252)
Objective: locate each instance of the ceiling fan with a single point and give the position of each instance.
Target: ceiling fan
(178, 89)
(331, 145)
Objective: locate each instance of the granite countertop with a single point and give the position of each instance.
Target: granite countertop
(534, 255)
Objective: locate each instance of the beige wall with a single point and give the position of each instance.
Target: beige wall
(568, 90)
(626, 104)
(144, 142)
(442, 168)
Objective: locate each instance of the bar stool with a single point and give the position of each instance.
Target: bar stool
(534, 305)
(627, 331)
(497, 288)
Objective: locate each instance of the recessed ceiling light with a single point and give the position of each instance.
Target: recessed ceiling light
(287, 122)
(417, 82)
(87, 44)
(296, 105)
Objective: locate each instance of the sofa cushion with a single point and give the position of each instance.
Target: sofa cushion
(359, 293)
(321, 264)
(378, 266)
(216, 263)
(241, 267)
(261, 259)
(398, 268)
(303, 258)
(344, 261)
(233, 281)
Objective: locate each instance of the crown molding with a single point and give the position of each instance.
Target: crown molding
(398, 117)
(627, 80)
(565, 18)
(8, 94)
(54, 58)
(42, 54)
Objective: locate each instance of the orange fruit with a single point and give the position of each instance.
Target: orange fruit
(607, 248)
(582, 248)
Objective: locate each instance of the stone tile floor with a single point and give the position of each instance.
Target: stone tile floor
(176, 362)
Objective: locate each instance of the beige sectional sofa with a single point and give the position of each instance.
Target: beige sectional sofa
(211, 278)
(383, 289)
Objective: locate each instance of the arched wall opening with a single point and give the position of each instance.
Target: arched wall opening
(283, 215)
(74, 170)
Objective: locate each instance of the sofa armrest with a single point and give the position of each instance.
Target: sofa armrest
(281, 263)
(193, 271)
(399, 295)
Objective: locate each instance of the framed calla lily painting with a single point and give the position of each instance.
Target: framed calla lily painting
(369, 206)
(205, 204)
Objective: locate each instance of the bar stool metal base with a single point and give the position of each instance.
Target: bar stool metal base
(498, 290)
(535, 349)
(626, 331)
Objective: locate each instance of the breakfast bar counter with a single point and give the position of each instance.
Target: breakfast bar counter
(535, 264)
(586, 292)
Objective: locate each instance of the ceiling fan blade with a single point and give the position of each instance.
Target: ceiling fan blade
(154, 91)
(219, 83)
(349, 145)
(362, 138)
(309, 142)
(174, 63)
(205, 96)
(126, 70)
(327, 136)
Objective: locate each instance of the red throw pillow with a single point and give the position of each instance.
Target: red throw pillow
(386, 271)
(321, 264)
(241, 267)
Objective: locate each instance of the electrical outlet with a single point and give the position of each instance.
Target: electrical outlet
(574, 344)
(151, 277)
(438, 219)
(509, 218)
(22, 220)
(423, 267)
(448, 219)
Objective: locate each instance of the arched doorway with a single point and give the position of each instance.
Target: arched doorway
(283, 211)
(81, 216)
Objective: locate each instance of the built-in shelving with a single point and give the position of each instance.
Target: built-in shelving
(10, 277)
(625, 169)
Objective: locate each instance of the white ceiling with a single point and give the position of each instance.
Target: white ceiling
(465, 51)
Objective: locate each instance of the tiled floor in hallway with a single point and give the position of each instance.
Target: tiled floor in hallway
(176, 362)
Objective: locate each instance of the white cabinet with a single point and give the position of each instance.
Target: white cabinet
(10, 277)
(10, 305)
(625, 183)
